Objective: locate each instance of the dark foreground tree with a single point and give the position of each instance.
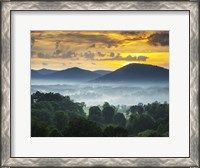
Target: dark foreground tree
(115, 131)
(61, 120)
(55, 133)
(81, 127)
(145, 122)
(55, 115)
(149, 133)
(140, 122)
(39, 128)
(95, 114)
(137, 109)
(108, 113)
(119, 119)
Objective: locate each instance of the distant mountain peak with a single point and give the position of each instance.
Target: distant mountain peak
(133, 72)
(76, 68)
(70, 74)
(141, 64)
(44, 69)
(136, 72)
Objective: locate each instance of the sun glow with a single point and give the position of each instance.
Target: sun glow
(99, 49)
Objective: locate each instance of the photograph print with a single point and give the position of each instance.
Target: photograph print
(100, 83)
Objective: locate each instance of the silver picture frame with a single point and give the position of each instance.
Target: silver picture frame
(6, 9)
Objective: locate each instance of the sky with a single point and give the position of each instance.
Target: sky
(98, 50)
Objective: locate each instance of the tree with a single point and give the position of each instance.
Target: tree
(132, 123)
(156, 110)
(55, 133)
(119, 119)
(113, 131)
(138, 123)
(35, 96)
(95, 114)
(109, 131)
(108, 113)
(38, 128)
(81, 127)
(42, 105)
(140, 108)
(149, 133)
(106, 104)
(145, 122)
(51, 97)
(61, 120)
(132, 109)
(163, 125)
(121, 132)
(137, 109)
(42, 115)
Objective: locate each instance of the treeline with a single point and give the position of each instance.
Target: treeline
(54, 115)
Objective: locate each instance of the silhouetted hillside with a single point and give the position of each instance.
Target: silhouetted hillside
(35, 74)
(102, 72)
(136, 73)
(73, 74)
(46, 71)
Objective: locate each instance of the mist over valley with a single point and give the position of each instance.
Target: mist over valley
(129, 85)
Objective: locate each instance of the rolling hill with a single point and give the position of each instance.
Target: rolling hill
(127, 74)
(135, 73)
(46, 71)
(71, 74)
(102, 72)
(35, 74)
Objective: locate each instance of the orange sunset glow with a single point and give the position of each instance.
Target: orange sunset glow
(94, 50)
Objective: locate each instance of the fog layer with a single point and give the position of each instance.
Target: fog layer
(115, 94)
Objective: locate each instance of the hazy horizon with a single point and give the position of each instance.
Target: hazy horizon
(95, 69)
(116, 94)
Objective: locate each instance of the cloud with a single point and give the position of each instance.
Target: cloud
(41, 55)
(92, 46)
(135, 35)
(69, 54)
(44, 63)
(136, 58)
(93, 38)
(77, 37)
(100, 54)
(118, 56)
(130, 32)
(142, 58)
(128, 58)
(161, 39)
(32, 41)
(112, 54)
(57, 44)
(57, 52)
(89, 55)
(35, 38)
(33, 54)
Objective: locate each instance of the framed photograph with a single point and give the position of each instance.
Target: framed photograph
(109, 84)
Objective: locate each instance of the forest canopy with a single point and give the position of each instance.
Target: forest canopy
(55, 115)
